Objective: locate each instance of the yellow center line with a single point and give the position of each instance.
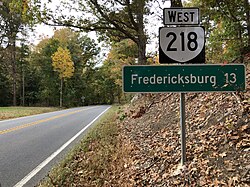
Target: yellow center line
(39, 121)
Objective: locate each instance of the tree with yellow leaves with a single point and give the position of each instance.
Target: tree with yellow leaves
(63, 64)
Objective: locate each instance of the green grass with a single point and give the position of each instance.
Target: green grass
(15, 112)
(89, 162)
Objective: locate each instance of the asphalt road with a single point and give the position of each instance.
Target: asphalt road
(30, 146)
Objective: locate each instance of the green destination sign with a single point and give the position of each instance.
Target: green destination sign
(184, 78)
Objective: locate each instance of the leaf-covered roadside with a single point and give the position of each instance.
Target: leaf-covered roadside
(91, 163)
(218, 140)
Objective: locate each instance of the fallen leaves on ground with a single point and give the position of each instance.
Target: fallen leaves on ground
(218, 140)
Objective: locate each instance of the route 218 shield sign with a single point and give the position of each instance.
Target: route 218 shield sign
(182, 45)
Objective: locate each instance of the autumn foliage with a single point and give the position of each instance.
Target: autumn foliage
(62, 63)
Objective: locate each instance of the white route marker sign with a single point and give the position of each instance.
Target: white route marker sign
(182, 44)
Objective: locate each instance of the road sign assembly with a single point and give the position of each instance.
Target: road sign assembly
(182, 41)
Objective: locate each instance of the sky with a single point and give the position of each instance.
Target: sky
(44, 31)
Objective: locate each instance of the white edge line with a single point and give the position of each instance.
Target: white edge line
(53, 155)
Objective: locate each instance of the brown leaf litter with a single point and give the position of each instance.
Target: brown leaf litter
(218, 140)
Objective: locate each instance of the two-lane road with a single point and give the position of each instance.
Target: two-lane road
(29, 146)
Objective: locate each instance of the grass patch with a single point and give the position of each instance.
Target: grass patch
(90, 162)
(15, 112)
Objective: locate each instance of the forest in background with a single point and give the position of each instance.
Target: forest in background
(62, 70)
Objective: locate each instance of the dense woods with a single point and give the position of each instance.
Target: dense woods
(41, 75)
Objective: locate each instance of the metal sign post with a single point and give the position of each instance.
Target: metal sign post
(183, 128)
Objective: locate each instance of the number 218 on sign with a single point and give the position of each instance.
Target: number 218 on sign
(190, 41)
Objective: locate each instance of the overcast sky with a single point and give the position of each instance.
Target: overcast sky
(43, 31)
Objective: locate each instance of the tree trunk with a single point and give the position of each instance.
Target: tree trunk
(242, 46)
(14, 82)
(176, 3)
(61, 93)
(248, 22)
(23, 87)
(13, 64)
(142, 51)
(142, 39)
